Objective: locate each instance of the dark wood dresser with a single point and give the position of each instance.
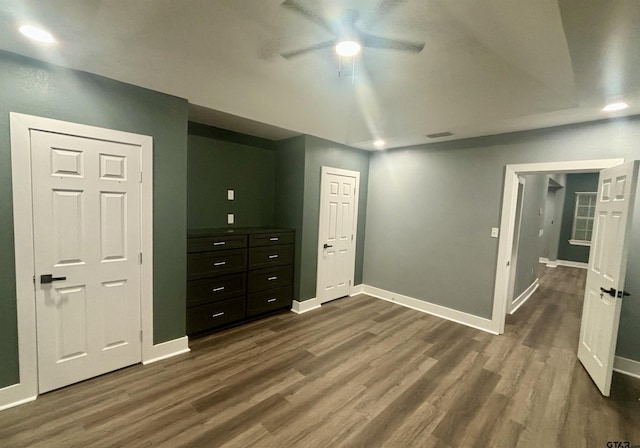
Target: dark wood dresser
(237, 274)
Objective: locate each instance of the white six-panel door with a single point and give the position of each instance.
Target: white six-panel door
(336, 235)
(607, 268)
(86, 208)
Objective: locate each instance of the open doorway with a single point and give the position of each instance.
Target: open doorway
(611, 216)
(508, 222)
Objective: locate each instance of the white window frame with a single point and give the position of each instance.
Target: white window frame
(592, 204)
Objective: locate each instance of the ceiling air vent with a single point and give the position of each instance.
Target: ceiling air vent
(440, 134)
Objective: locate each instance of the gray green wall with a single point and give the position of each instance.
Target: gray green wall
(289, 200)
(219, 160)
(321, 153)
(575, 182)
(529, 242)
(298, 175)
(431, 208)
(36, 88)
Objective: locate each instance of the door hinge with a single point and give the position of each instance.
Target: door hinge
(349, 282)
(351, 237)
(140, 176)
(140, 335)
(140, 258)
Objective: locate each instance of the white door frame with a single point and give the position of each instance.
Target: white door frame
(507, 222)
(21, 125)
(515, 247)
(348, 173)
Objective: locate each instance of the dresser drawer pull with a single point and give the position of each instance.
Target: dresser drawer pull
(218, 314)
(274, 239)
(221, 288)
(271, 300)
(219, 243)
(220, 263)
(273, 256)
(272, 278)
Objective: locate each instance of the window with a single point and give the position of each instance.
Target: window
(583, 219)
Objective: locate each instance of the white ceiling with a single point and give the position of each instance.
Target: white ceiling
(488, 66)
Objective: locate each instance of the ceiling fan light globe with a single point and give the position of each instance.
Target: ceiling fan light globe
(348, 48)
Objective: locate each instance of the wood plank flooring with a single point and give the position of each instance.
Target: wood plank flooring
(360, 372)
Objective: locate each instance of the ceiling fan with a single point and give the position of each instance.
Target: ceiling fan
(348, 37)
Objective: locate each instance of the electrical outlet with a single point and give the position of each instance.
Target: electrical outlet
(494, 232)
(230, 195)
(230, 218)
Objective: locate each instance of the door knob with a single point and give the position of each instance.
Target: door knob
(48, 278)
(326, 246)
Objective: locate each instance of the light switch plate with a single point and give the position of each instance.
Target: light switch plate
(541, 232)
(495, 232)
(230, 218)
(230, 195)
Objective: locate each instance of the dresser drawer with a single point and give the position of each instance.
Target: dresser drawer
(213, 315)
(271, 239)
(265, 301)
(269, 278)
(214, 289)
(222, 242)
(262, 257)
(209, 264)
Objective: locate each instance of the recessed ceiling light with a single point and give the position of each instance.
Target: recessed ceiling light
(37, 34)
(348, 48)
(379, 143)
(613, 107)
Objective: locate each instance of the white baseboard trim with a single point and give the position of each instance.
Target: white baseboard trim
(167, 349)
(460, 317)
(522, 298)
(357, 289)
(305, 306)
(573, 264)
(627, 366)
(543, 260)
(15, 395)
(552, 264)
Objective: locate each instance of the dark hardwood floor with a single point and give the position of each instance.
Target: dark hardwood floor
(360, 372)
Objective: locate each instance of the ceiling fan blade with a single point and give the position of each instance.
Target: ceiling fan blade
(301, 51)
(383, 9)
(371, 41)
(296, 7)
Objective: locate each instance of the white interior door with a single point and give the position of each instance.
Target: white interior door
(336, 235)
(86, 211)
(606, 275)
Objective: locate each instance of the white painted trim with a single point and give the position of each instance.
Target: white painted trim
(305, 306)
(522, 298)
(580, 243)
(12, 396)
(325, 170)
(20, 127)
(507, 219)
(543, 260)
(572, 264)
(552, 264)
(358, 289)
(431, 308)
(168, 349)
(627, 366)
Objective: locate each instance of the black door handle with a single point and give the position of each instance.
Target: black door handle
(48, 278)
(326, 246)
(613, 293)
